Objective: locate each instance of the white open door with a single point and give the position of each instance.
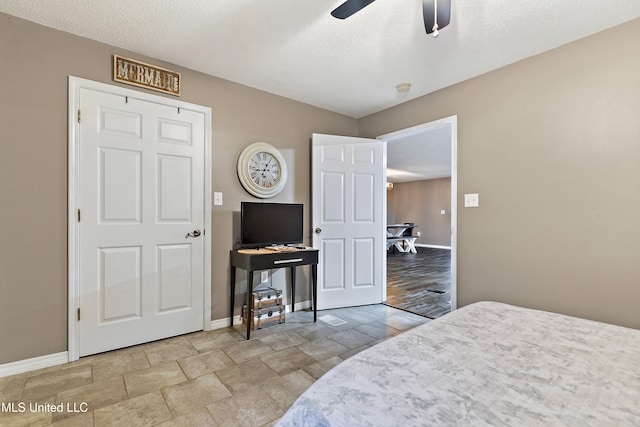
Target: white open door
(348, 219)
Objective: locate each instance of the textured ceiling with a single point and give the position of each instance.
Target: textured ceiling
(294, 48)
(416, 157)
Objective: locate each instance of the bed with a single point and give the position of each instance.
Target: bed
(487, 364)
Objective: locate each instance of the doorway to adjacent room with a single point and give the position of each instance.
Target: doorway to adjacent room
(422, 191)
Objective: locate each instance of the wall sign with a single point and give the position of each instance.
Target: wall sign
(138, 73)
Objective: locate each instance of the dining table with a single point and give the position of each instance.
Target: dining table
(397, 239)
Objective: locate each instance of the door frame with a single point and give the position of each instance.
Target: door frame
(452, 122)
(73, 171)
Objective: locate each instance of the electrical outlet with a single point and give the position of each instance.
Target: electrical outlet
(471, 200)
(264, 276)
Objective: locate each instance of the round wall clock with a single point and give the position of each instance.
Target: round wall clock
(262, 170)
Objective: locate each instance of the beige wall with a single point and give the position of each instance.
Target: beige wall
(35, 64)
(420, 202)
(552, 145)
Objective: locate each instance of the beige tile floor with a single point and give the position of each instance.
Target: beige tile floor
(214, 378)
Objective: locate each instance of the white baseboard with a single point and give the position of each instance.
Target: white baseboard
(48, 360)
(300, 306)
(32, 364)
(422, 245)
(224, 322)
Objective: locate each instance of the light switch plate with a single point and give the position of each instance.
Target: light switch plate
(217, 198)
(471, 200)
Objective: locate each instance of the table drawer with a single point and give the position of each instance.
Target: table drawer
(268, 260)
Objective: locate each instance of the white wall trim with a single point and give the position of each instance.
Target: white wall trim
(224, 322)
(27, 365)
(302, 305)
(452, 122)
(21, 366)
(424, 245)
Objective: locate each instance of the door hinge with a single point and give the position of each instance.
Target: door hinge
(79, 116)
(78, 215)
(78, 314)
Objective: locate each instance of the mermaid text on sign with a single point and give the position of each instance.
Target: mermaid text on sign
(138, 73)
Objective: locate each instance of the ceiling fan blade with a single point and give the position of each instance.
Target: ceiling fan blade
(350, 7)
(428, 13)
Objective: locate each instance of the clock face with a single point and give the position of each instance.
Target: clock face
(262, 170)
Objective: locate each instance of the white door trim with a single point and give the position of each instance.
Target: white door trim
(452, 122)
(73, 270)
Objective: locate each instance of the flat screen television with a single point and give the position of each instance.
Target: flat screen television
(269, 224)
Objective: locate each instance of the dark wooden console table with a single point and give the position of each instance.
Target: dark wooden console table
(263, 259)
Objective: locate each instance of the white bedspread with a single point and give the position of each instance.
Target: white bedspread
(487, 364)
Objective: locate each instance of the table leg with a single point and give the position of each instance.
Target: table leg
(233, 292)
(400, 232)
(248, 301)
(314, 290)
(411, 248)
(293, 289)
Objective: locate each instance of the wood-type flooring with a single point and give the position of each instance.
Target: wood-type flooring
(420, 283)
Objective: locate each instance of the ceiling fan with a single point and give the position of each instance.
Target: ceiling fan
(436, 13)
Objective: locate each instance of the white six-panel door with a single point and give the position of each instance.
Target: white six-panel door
(348, 215)
(141, 192)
